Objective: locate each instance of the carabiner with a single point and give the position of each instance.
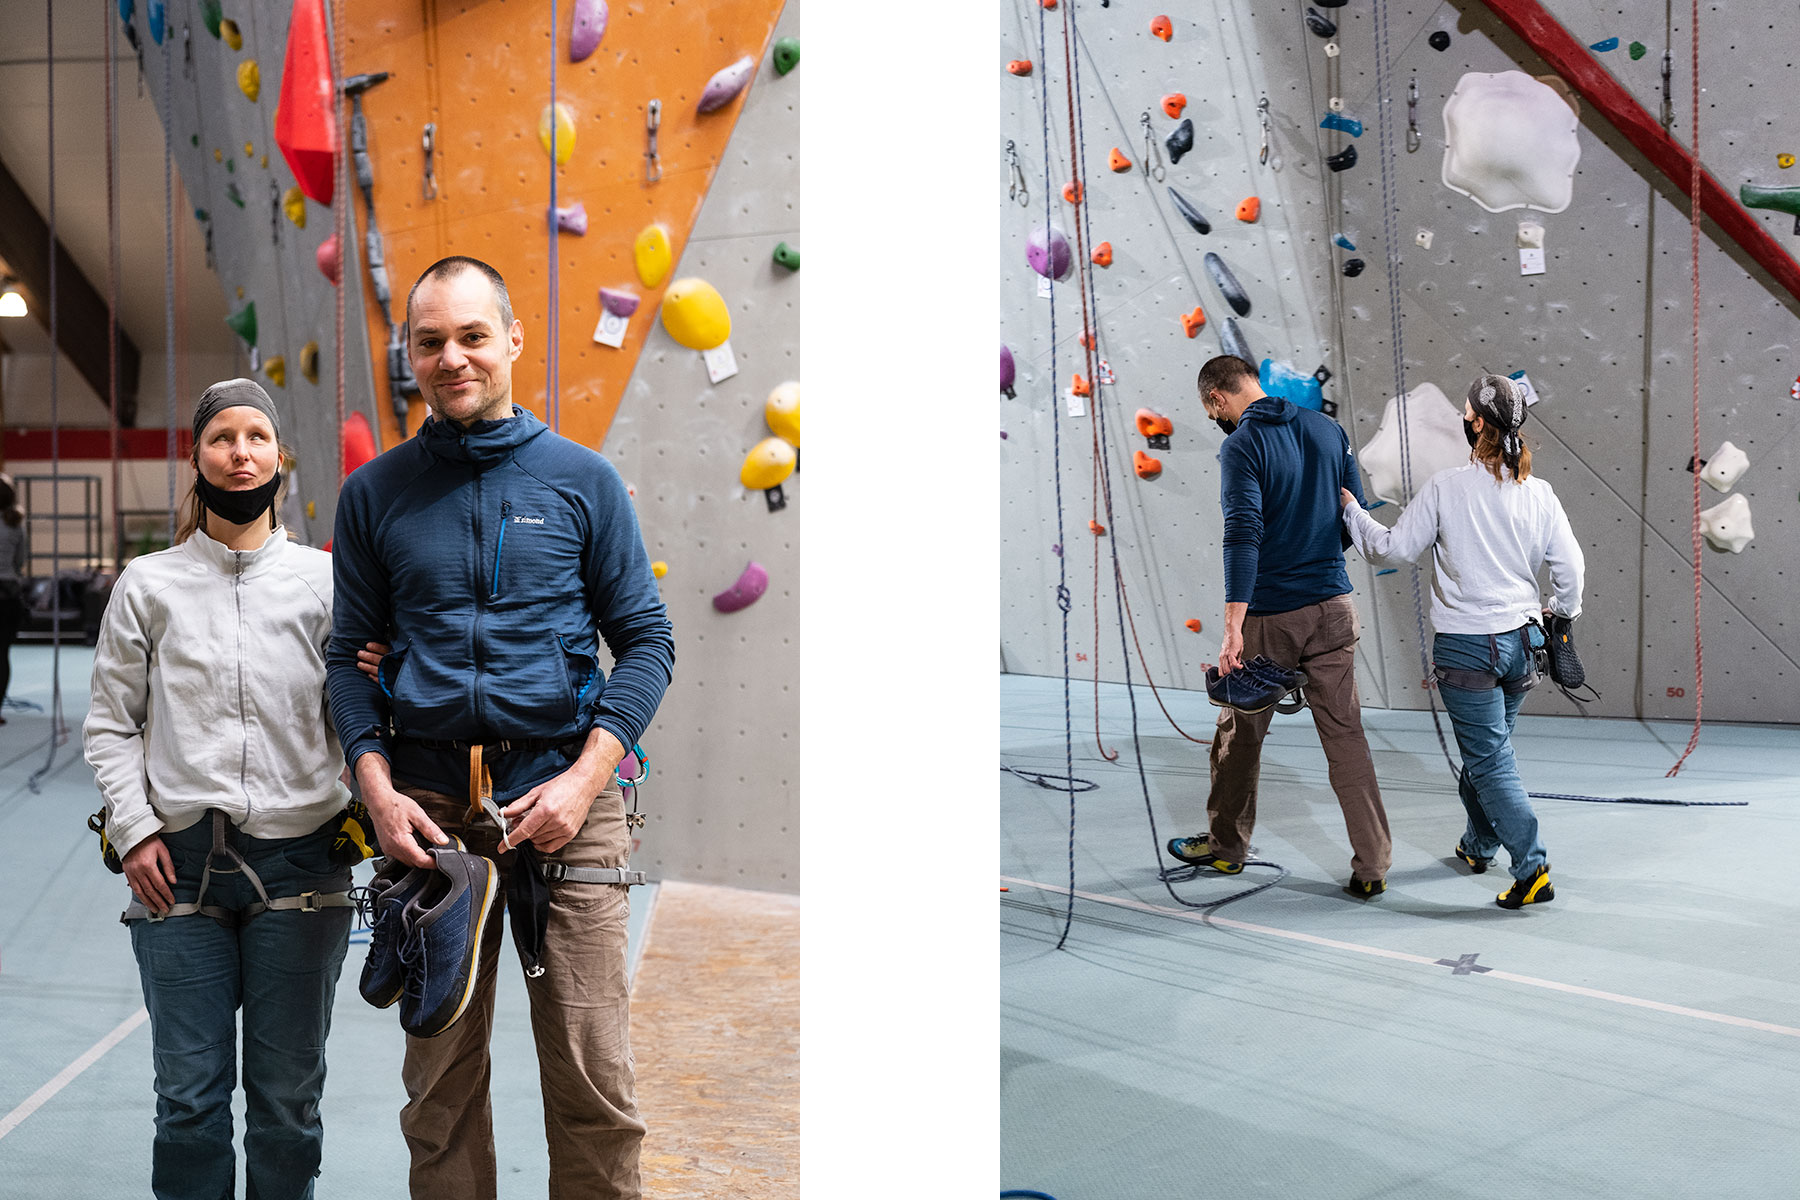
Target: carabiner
(652, 122)
(1412, 116)
(1018, 191)
(1262, 114)
(429, 141)
(1151, 152)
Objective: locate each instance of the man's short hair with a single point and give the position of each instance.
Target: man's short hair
(456, 264)
(1226, 373)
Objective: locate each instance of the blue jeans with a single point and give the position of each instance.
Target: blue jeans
(1500, 812)
(282, 969)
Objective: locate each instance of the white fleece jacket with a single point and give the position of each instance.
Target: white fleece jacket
(209, 692)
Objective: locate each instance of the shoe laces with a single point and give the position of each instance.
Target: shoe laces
(366, 899)
(412, 954)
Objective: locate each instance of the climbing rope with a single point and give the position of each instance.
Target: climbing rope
(1694, 254)
(59, 730)
(553, 400)
(112, 293)
(340, 217)
(169, 299)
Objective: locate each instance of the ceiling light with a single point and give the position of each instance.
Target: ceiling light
(12, 301)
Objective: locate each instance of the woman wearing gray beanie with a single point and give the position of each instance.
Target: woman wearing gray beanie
(208, 737)
(1489, 526)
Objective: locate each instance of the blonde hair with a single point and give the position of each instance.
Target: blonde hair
(1490, 453)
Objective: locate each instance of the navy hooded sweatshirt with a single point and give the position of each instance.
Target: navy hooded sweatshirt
(1279, 475)
(488, 558)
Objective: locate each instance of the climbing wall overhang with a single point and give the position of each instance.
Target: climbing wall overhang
(479, 73)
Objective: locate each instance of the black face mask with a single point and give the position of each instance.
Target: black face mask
(1469, 432)
(239, 508)
(1225, 424)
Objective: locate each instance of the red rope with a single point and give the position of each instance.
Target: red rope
(1694, 252)
(340, 209)
(112, 298)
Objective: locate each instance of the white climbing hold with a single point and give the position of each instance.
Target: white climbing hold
(1434, 436)
(1726, 525)
(1510, 142)
(1726, 466)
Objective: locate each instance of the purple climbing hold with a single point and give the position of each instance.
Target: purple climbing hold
(746, 591)
(572, 219)
(589, 27)
(723, 87)
(1006, 373)
(618, 303)
(1048, 252)
(1056, 549)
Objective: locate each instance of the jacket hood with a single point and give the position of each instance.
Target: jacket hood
(483, 443)
(1271, 409)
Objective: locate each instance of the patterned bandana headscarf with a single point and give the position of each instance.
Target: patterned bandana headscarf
(1501, 403)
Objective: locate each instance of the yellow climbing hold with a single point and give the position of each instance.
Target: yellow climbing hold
(264, 161)
(309, 362)
(275, 367)
(652, 254)
(565, 131)
(782, 411)
(769, 462)
(695, 314)
(293, 203)
(659, 568)
(218, 155)
(249, 150)
(240, 293)
(312, 510)
(229, 31)
(1784, 161)
(249, 77)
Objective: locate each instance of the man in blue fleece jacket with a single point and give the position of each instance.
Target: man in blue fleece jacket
(1287, 596)
(487, 551)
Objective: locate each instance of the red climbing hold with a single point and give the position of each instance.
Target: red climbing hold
(1019, 66)
(1147, 466)
(327, 257)
(1153, 424)
(1102, 255)
(305, 116)
(358, 442)
(1248, 209)
(1117, 160)
(1080, 386)
(1191, 322)
(1072, 192)
(1193, 623)
(1086, 339)
(1173, 103)
(1163, 28)
(1097, 529)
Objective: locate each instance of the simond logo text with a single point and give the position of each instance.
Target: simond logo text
(528, 520)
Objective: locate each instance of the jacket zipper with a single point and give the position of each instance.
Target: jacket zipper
(475, 689)
(505, 507)
(237, 588)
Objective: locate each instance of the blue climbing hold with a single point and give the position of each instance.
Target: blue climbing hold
(1346, 243)
(1349, 125)
(1611, 43)
(1387, 571)
(125, 7)
(156, 22)
(1297, 388)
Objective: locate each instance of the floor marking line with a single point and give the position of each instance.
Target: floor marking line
(66, 1076)
(1377, 952)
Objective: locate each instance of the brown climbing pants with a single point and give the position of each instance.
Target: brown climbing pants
(1319, 639)
(579, 1022)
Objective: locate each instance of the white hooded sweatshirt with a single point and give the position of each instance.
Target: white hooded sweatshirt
(209, 692)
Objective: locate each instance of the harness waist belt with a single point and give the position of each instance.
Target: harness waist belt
(314, 901)
(555, 872)
(499, 747)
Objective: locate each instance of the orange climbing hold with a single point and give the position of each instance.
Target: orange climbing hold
(1049, 3)
(1019, 66)
(1097, 529)
(1086, 339)
(1102, 255)
(1173, 103)
(1249, 208)
(1153, 424)
(1193, 623)
(1080, 386)
(1146, 466)
(1163, 28)
(1072, 192)
(1191, 322)
(1117, 160)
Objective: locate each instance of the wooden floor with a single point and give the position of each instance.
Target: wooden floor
(715, 1028)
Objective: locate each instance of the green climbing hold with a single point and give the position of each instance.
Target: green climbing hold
(787, 55)
(210, 12)
(787, 256)
(1781, 199)
(1636, 50)
(243, 323)
(232, 194)
(193, 139)
(230, 166)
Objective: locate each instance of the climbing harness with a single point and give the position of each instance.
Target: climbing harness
(652, 122)
(1151, 151)
(429, 141)
(314, 901)
(1412, 116)
(1019, 193)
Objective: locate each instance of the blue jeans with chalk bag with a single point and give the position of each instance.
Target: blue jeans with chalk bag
(1500, 813)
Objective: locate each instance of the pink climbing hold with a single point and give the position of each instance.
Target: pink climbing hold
(572, 219)
(330, 262)
(723, 87)
(619, 303)
(588, 28)
(746, 591)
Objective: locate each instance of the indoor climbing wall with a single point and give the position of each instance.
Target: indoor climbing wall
(1602, 333)
(723, 800)
(223, 69)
